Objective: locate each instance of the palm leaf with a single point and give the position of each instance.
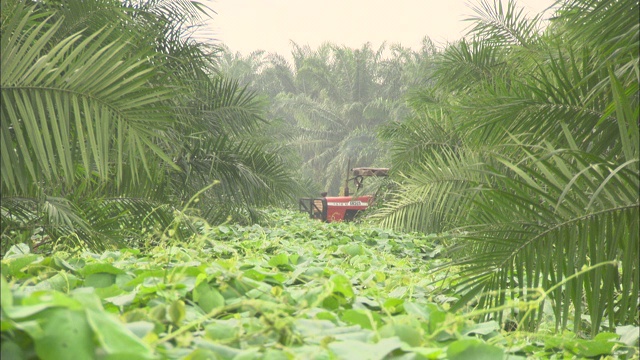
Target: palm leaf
(549, 129)
(504, 24)
(54, 118)
(526, 243)
(611, 25)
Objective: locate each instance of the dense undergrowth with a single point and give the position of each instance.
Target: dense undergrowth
(290, 289)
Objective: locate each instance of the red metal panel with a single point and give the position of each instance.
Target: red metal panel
(338, 205)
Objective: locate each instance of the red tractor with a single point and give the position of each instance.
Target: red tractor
(346, 206)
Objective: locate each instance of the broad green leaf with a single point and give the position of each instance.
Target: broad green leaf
(275, 354)
(312, 271)
(23, 311)
(393, 305)
(399, 292)
(110, 291)
(124, 299)
(352, 249)
(326, 315)
(311, 352)
(412, 336)
(97, 268)
(207, 297)
(140, 328)
(364, 318)
(19, 262)
(249, 354)
(473, 349)
(6, 298)
(427, 353)
(333, 302)
(159, 313)
(11, 350)
(18, 250)
(66, 335)
(62, 281)
(63, 264)
(342, 285)
(100, 280)
(123, 280)
(349, 349)
(244, 285)
(202, 354)
(484, 328)
(279, 260)
(177, 311)
(629, 334)
(221, 330)
(114, 337)
(88, 298)
(222, 351)
(418, 310)
(51, 299)
(128, 356)
(314, 331)
(601, 344)
(254, 274)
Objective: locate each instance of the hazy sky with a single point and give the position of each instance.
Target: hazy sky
(247, 25)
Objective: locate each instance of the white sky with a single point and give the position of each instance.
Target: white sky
(271, 25)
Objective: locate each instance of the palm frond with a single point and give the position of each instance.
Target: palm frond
(543, 135)
(504, 24)
(53, 118)
(467, 63)
(611, 25)
(550, 222)
(250, 175)
(435, 195)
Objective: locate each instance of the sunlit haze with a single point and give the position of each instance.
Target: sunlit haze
(271, 25)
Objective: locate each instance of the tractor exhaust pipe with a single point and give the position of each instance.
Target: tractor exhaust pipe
(346, 179)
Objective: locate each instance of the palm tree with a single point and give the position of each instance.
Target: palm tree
(527, 151)
(222, 141)
(97, 119)
(62, 133)
(335, 101)
(329, 102)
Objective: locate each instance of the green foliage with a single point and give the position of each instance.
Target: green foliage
(48, 105)
(527, 151)
(112, 122)
(331, 102)
(297, 289)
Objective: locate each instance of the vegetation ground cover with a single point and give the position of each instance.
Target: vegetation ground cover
(122, 135)
(291, 289)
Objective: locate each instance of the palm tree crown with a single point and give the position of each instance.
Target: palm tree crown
(526, 149)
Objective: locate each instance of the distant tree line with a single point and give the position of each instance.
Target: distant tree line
(329, 104)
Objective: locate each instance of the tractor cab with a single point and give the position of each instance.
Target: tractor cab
(344, 207)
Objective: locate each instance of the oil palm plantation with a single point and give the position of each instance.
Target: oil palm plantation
(526, 151)
(335, 99)
(331, 101)
(113, 119)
